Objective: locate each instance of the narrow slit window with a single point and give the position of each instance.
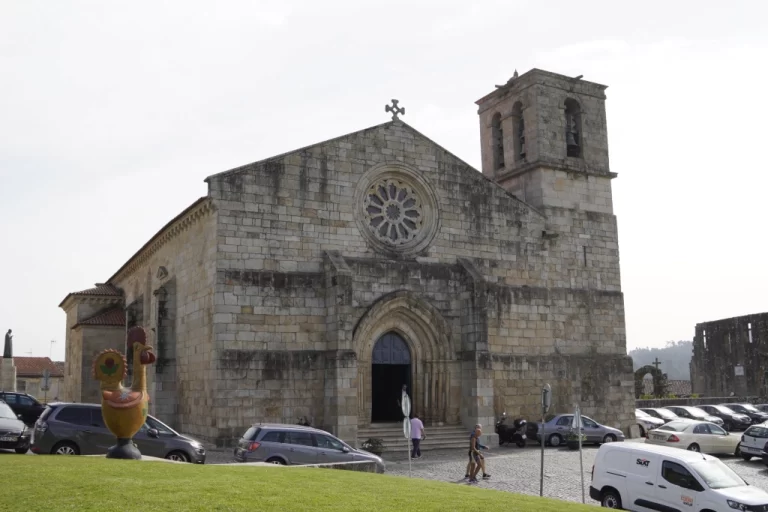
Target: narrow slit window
(749, 331)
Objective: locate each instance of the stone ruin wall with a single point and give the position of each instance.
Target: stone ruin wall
(721, 346)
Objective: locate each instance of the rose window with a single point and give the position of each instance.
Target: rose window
(393, 211)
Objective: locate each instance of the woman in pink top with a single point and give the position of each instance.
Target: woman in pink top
(417, 434)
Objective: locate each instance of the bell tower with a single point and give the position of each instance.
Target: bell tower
(544, 139)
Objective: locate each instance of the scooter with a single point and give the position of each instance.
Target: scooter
(519, 437)
(509, 434)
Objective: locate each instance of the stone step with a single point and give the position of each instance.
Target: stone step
(445, 437)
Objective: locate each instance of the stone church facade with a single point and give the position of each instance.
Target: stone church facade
(316, 283)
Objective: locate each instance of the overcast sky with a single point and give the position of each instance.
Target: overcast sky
(113, 113)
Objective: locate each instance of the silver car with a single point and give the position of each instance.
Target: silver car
(646, 422)
(297, 444)
(558, 427)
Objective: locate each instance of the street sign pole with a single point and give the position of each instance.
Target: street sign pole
(546, 401)
(46, 383)
(581, 454)
(405, 404)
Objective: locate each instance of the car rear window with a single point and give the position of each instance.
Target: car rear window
(760, 432)
(47, 412)
(251, 433)
(674, 426)
(75, 415)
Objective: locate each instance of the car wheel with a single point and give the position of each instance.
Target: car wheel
(21, 451)
(276, 460)
(178, 456)
(737, 453)
(555, 440)
(746, 457)
(642, 431)
(694, 448)
(609, 438)
(611, 499)
(65, 448)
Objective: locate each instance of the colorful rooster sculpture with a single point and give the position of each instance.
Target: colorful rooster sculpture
(124, 409)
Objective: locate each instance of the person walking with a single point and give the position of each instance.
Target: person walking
(417, 434)
(476, 459)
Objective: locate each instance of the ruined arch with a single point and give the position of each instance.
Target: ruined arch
(659, 381)
(429, 339)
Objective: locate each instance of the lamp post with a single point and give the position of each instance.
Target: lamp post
(546, 402)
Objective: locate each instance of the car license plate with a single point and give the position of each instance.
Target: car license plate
(659, 437)
(8, 439)
(750, 449)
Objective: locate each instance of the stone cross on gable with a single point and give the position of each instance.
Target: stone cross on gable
(656, 363)
(394, 109)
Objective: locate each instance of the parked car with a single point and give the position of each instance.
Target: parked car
(630, 475)
(761, 407)
(750, 410)
(732, 420)
(14, 434)
(663, 414)
(694, 413)
(696, 436)
(79, 429)
(297, 444)
(647, 422)
(753, 442)
(25, 405)
(557, 428)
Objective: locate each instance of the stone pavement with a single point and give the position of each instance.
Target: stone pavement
(517, 470)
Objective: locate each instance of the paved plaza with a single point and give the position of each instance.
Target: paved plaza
(517, 470)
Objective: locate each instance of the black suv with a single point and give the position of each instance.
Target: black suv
(750, 410)
(24, 405)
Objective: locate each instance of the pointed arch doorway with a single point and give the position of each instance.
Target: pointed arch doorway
(390, 369)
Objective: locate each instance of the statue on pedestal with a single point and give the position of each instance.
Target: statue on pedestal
(8, 349)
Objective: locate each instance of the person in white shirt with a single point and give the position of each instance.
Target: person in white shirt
(417, 434)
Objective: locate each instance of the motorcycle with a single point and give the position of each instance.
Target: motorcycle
(511, 434)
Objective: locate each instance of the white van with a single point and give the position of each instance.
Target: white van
(634, 476)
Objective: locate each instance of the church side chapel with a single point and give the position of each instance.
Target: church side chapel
(318, 282)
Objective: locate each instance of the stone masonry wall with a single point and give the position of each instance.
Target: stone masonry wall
(719, 347)
(188, 256)
(93, 339)
(282, 215)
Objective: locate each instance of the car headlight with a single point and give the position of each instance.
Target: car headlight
(736, 505)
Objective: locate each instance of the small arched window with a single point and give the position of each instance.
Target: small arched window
(573, 139)
(519, 131)
(497, 139)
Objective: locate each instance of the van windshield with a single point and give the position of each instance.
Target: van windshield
(716, 474)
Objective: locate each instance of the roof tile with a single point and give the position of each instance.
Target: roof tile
(110, 317)
(34, 366)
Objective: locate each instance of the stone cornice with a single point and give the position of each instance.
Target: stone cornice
(565, 165)
(196, 211)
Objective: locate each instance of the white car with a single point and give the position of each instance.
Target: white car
(696, 436)
(646, 422)
(753, 441)
(634, 476)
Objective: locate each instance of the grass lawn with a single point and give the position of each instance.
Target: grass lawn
(93, 484)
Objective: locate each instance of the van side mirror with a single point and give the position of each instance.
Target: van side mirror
(153, 433)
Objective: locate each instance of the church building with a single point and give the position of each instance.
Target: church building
(317, 282)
